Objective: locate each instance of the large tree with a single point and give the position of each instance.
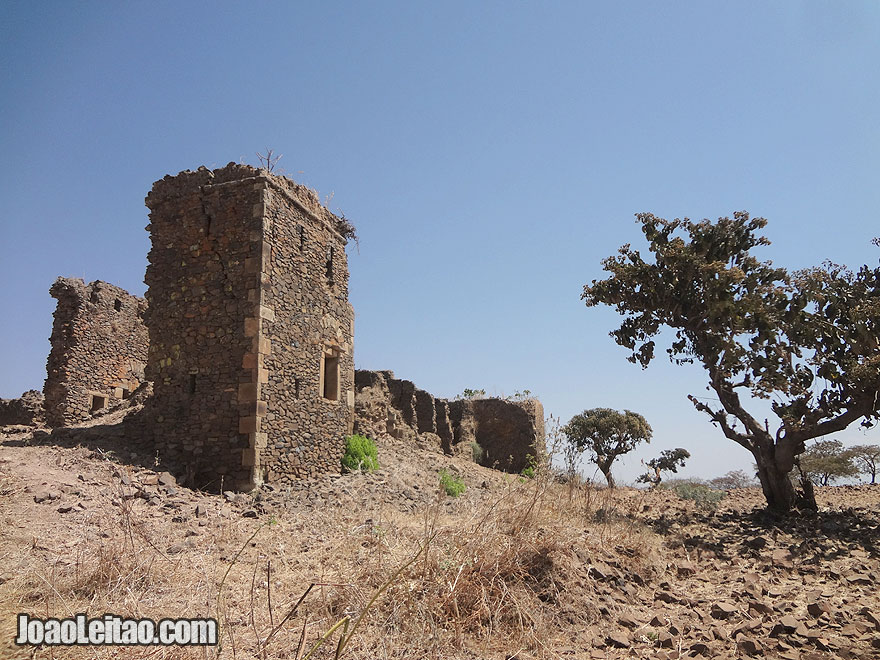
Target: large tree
(606, 434)
(808, 341)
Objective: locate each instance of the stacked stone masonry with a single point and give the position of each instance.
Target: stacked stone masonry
(251, 332)
(99, 349)
(27, 410)
(510, 433)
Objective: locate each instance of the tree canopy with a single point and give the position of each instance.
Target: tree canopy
(826, 461)
(866, 459)
(606, 434)
(807, 341)
(733, 480)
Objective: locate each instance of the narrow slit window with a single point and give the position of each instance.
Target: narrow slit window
(330, 264)
(302, 236)
(331, 377)
(192, 383)
(296, 386)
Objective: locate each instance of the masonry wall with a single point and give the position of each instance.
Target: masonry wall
(309, 391)
(511, 433)
(27, 410)
(244, 308)
(99, 349)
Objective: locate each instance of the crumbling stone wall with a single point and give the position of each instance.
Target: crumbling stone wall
(509, 432)
(99, 349)
(251, 333)
(27, 410)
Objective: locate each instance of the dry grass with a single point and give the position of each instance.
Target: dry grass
(487, 578)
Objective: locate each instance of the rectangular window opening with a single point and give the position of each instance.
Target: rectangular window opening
(97, 402)
(331, 377)
(125, 393)
(117, 305)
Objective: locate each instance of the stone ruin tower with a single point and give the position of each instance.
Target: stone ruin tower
(251, 332)
(99, 349)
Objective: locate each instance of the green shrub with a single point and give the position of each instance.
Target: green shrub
(477, 452)
(530, 470)
(470, 394)
(360, 454)
(701, 494)
(452, 484)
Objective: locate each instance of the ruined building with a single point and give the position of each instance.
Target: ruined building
(99, 349)
(251, 332)
(26, 410)
(510, 434)
(248, 344)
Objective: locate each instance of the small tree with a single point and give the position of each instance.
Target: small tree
(826, 462)
(807, 341)
(669, 460)
(606, 434)
(867, 459)
(732, 480)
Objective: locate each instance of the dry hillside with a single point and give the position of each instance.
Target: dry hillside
(512, 568)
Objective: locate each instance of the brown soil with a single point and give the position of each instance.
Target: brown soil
(513, 568)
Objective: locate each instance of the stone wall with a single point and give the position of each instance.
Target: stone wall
(509, 432)
(309, 388)
(27, 410)
(251, 332)
(99, 349)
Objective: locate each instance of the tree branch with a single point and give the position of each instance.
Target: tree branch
(720, 417)
(832, 425)
(730, 400)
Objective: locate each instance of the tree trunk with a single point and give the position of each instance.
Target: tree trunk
(605, 468)
(778, 489)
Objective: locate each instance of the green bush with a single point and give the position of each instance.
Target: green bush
(477, 452)
(530, 470)
(452, 484)
(701, 494)
(360, 454)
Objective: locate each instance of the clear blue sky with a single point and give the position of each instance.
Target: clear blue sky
(489, 154)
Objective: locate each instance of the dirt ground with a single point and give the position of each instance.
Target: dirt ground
(512, 568)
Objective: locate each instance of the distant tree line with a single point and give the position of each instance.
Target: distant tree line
(828, 461)
(604, 435)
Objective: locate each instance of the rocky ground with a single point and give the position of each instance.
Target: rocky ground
(513, 568)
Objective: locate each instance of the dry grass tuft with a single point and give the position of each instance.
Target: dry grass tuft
(511, 575)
